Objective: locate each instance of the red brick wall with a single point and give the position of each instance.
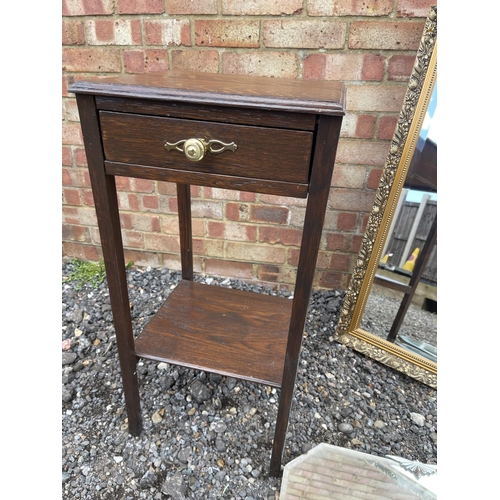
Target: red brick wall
(370, 46)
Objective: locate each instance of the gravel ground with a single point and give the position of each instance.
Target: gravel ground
(381, 310)
(209, 437)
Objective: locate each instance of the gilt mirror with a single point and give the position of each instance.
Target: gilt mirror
(397, 259)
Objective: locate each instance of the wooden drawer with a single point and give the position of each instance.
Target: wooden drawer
(262, 153)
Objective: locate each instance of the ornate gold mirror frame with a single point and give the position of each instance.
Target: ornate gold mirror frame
(401, 150)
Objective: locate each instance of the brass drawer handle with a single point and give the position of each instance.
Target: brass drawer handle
(195, 149)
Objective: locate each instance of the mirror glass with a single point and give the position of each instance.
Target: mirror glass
(407, 234)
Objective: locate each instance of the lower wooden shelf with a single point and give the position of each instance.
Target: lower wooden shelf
(220, 330)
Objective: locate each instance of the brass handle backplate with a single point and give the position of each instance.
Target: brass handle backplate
(195, 149)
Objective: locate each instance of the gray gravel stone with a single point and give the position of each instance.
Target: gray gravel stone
(183, 455)
(346, 428)
(174, 486)
(147, 480)
(417, 418)
(200, 391)
(68, 358)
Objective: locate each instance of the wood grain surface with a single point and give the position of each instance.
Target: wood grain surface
(275, 154)
(304, 96)
(220, 330)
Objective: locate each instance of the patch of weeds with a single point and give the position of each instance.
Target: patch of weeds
(86, 272)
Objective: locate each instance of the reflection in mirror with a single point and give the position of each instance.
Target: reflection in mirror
(411, 227)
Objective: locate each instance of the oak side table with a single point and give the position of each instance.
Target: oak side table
(264, 135)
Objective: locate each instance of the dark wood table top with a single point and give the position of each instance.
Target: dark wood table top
(303, 96)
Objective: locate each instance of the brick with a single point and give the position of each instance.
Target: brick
(324, 259)
(170, 225)
(96, 237)
(128, 202)
(262, 213)
(356, 241)
(156, 60)
(102, 60)
(113, 32)
(142, 258)
(254, 253)
(371, 97)
(142, 185)
(208, 248)
(73, 32)
(123, 183)
(140, 222)
(67, 80)
(364, 224)
(133, 239)
(75, 233)
(283, 236)
(149, 203)
(305, 34)
(133, 61)
(82, 251)
(88, 197)
(71, 197)
(415, 8)
(386, 127)
(231, 269)
(374, 178)
(141, 6)
(289, 201)
(334, 280)
(168, 32)
(236, 211)
(297, 216)
(80, 157)
(273, 64)
(72, 177)
(196, 60)
(365, 126)
(351, 199)
(358, 126)
(87, 7)
(72, 134)
(232, 231)
(168, 188)
(356, 152)
(347, 221)
(161, 243)
(229, 194)
(79, 216)
(66, 156)
(385, 35)
(349, 176)
(192, 7)
(261, 7)
(268, 273)
(150, 60)
(335, 241)
(349, 7)
(71, 110)
(344, 66)
(400, 67)
(293, 256)
(206, 209)
(227, 33)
